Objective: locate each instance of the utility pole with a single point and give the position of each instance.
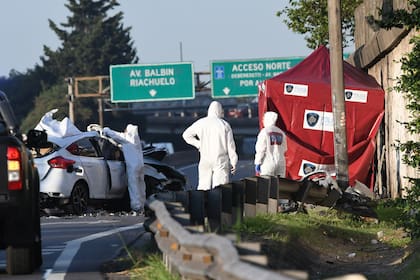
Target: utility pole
(181, 56)
(70, 98)
(101, 112)
(337, 93)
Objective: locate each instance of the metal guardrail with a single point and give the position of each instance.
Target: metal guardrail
(181, 217)
(200, 256)
(187, 224)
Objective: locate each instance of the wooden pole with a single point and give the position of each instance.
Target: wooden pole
(70, 98)
(101, 112)
(337, 93)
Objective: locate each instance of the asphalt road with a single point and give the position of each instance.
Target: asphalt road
(245, 168)
(75, 247)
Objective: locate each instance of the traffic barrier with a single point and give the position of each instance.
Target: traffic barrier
(199, 255)
(186, 225)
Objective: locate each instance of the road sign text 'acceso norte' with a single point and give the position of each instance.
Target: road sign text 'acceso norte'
(241, 78)
(152, 82)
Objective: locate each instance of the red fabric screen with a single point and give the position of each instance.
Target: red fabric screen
(302, 98)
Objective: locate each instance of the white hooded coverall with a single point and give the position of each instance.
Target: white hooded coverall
(270, 147)
(213, 137)
(133, 154)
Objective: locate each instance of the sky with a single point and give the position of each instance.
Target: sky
(163, 31)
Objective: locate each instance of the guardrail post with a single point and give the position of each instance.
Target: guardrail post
(183, 197)
(196, 207)
(250, 208)
(273, 197)
(238, 191)
(263, 187)
(227, 205)
(214, 209)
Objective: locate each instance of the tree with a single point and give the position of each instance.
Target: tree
(53, 98)
(21, 89)
(92, 39)
(310, 18)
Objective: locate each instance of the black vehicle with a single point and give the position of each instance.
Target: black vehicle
(20, 230)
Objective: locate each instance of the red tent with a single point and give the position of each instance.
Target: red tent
(302, 98)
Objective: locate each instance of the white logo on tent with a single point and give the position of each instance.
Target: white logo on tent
(318, 120)
(295, 89)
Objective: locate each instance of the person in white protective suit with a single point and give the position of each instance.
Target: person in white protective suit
(270, 148)
(133, 154)
(213, 137)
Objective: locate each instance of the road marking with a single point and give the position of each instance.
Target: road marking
(77, 222)
(188, 167)
(52, 249)
(61, 265)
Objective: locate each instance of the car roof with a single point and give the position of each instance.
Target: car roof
(64, 141)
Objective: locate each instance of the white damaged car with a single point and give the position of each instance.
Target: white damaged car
(79, 169)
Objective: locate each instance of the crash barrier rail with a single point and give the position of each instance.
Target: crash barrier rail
(229, 203)
(206, 255)
(201, 255)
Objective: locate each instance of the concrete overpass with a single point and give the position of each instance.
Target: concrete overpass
(170, 129)
(177, 125)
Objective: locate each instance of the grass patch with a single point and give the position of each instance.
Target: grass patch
(142, 261)
(325, 242)
(321, 222)
(332, 237)
(151, 268)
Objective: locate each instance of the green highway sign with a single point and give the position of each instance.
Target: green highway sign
(241, 78)
(152, 82)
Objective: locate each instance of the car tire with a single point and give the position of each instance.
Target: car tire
(79, 199)
(20, 260)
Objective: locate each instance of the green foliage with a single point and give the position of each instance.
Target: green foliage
(398, 18)
(53, 98)
(391, 211)
(409, 84)
(310, 17)
(411, 219)
(152, 268)
(21, 88)
(56, 98)
(403, 212)
(92, 40)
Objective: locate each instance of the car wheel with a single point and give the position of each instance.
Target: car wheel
(19, 260)
(79, 199)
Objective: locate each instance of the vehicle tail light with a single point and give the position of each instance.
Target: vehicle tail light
(60, 162)
(14, 169)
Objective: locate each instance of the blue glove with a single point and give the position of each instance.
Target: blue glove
(257, 169)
